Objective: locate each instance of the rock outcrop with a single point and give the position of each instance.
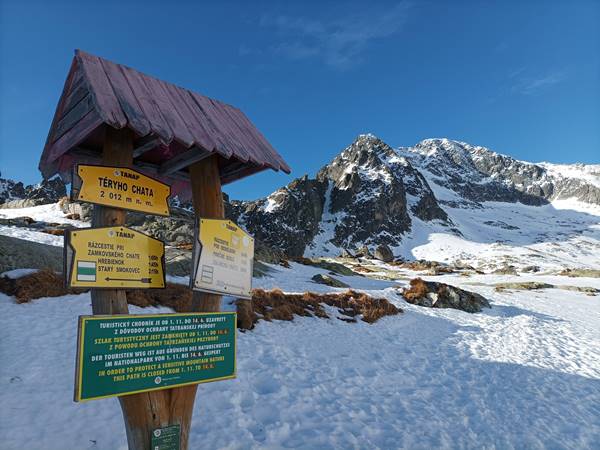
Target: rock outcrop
(440, 295)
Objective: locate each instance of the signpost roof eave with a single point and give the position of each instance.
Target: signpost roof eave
(173, 126)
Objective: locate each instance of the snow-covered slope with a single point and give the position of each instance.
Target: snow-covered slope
(440, 200)
(523, 374)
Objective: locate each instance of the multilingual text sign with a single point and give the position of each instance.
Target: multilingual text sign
(119, 355)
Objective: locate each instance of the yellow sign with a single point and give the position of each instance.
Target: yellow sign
(223, 259)
(120, 187)
(114, 257)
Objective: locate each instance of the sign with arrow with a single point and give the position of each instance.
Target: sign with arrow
(113, 257)
(120, 187)
(223, 258)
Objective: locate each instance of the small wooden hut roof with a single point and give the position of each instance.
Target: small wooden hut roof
(174, 127)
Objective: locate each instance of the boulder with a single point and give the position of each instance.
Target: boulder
(384, 253)
(329, 281)
(74, 209)
(19, 253)
(364, 252)
(440, 295)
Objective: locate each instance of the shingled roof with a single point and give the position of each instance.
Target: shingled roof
(173, 126)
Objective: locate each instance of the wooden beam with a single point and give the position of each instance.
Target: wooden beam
(207, 199)
(147, 411)
(185, 159)
(86, 155)
(239, 171)
(145, 144)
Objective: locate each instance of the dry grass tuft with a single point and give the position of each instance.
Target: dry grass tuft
(265, 305)
(175, 296)
(418, 289)
(45, 283)
(277, 305)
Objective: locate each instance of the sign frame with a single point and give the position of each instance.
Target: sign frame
(197, 252)
(69, 261)
(77, 184)
(78, 379)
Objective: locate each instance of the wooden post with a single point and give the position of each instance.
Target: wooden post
(150, 410)
(208, 202)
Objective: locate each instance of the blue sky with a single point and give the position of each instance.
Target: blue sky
(522, 78)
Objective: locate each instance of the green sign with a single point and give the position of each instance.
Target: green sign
(166, 438)
(120, 355)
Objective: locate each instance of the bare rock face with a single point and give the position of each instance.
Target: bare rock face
(365, 196)
(384, 253)
(15, 195)
(478, 174)
(18, 253)
(288, 219)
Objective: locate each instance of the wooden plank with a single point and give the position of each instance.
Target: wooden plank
(231, 132)
(224, 144)
(194, 123)
(269, 154)
(168, 111)
(75, 115)
(74, 136)
(146, 144)
(45, 165)
(158, 124)
(241, 172)
(229, 145)
(182, 160)
(246, 136)
(104, 97)
(76, 93)
(87, 156)
(129, 103)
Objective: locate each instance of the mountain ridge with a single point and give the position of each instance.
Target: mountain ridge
(372, 194)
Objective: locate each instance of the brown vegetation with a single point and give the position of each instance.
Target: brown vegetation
(265, 305)
(175, 296)
(432, 267)
(54, 231)
(418, 289)
(277, 305)
(44, 283)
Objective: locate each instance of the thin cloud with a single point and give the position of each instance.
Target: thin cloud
(533, 85)
(340, 42)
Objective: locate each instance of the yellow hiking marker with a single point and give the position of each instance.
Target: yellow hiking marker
(223, 258)
(120, 187)
(113, 257)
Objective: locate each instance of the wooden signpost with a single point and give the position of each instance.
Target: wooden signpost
(126, 141)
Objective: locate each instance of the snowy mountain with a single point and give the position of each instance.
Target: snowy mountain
(371, 194)
(15, 194)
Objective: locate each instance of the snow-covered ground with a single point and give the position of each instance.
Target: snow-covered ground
(523, 374)
(561, 234)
